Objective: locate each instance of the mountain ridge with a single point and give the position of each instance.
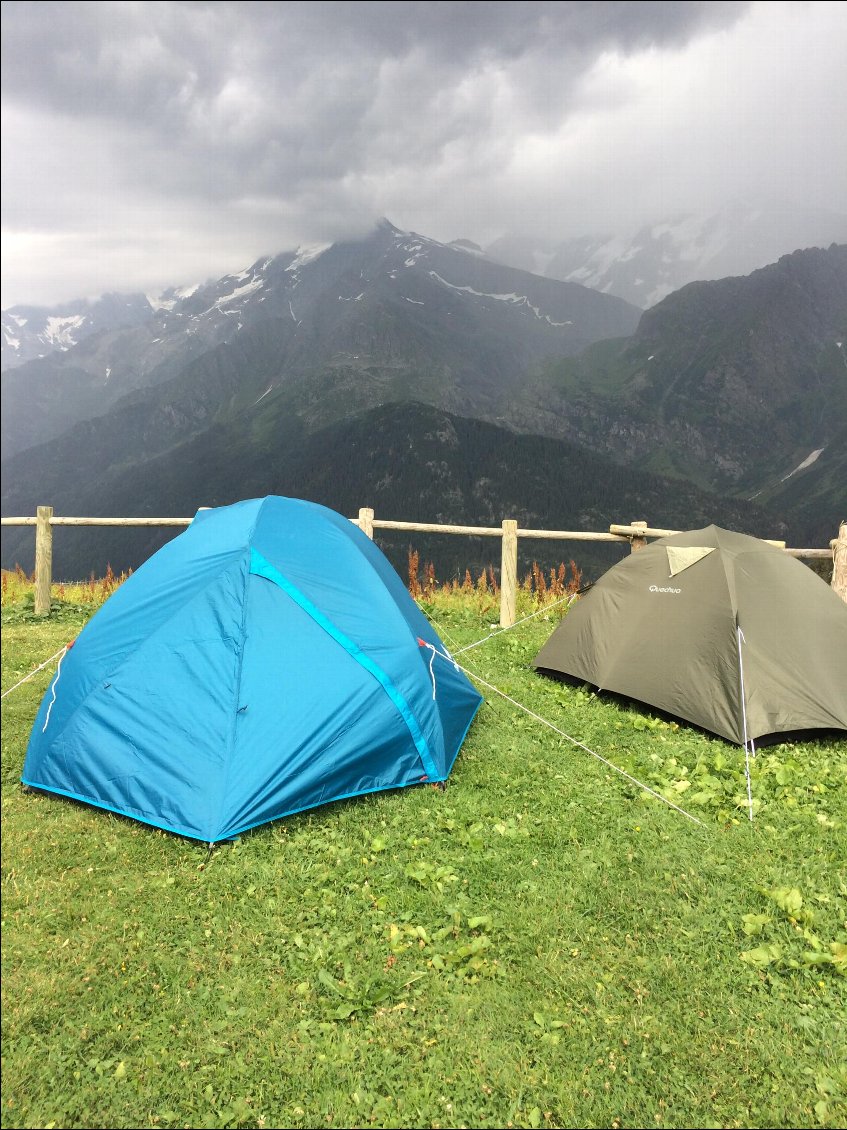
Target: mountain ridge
(725, 387)
(730, 384)
(413, 308)
(407, 460)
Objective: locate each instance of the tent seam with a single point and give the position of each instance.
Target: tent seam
(233, 726)
(359, 656)
(114, 672)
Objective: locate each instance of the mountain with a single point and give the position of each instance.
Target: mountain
(660, 258)
(332, 330)
(31, 332)
(326, 374)
(739, 386)
(409, 461)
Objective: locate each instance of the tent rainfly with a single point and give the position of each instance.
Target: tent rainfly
(266, 661)
(718, 628)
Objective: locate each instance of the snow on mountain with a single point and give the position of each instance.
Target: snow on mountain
(515, 299)
(171, 297)
(466, 245)
(31, 332)
(62, 333)
(304, 255)
(811, 458)
(237, 295)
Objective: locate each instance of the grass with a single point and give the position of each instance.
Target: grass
(541, 944)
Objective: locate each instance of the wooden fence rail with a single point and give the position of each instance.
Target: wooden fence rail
(635, 533)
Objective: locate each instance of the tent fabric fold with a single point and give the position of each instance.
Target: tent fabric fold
(681, 557)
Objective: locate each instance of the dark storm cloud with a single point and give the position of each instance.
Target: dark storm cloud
(160, 142)
(69, 55)
(254, 93)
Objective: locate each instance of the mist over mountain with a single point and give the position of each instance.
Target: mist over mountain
(647, 266)
(332, 329)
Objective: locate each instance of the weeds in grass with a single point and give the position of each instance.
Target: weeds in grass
(17, 593)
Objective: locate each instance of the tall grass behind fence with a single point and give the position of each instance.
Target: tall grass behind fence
(636, 534)
(537, 587)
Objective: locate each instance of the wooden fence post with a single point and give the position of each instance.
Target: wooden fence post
(637, 543)
(839, 562)
(43, 560)
(509, 574)
(366, 521)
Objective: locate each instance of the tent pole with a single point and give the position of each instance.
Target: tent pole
(747, 743)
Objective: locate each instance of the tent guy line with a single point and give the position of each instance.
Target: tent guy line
(570, 598)
(574, 741)
(490, 686)
(34, 672)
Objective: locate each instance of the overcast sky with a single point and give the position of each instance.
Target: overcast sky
(150, 144)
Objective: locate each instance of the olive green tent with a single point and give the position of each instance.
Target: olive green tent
(714, 627)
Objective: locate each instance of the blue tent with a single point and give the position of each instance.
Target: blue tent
(267, 660)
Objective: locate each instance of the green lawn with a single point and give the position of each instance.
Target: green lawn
(541, 944)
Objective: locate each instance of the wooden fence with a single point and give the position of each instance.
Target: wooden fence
(635, 533)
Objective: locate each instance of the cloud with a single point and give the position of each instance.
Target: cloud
(177, 137)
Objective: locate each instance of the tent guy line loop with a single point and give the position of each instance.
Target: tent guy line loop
(574, 741)
(33, 673)
(53, 689)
